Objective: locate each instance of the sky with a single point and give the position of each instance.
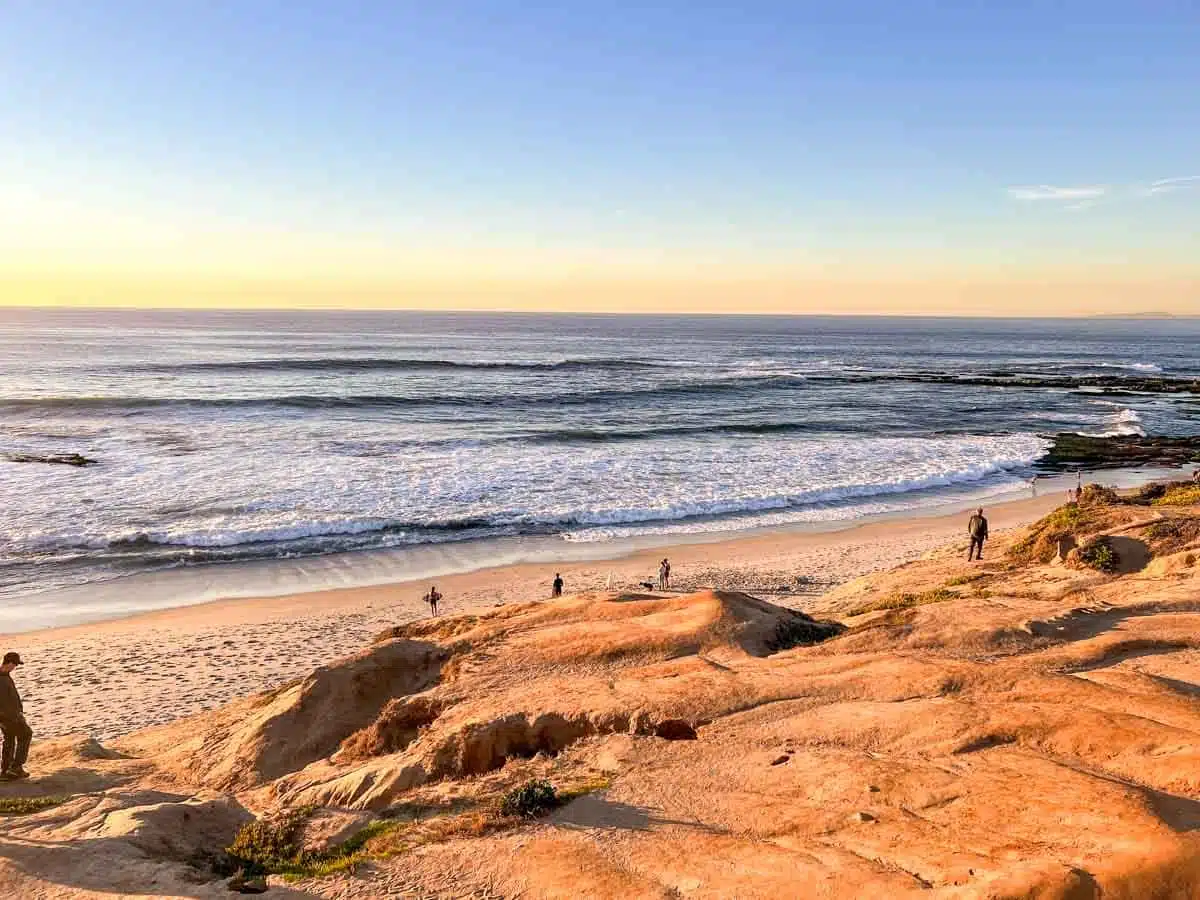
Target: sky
(919, 157)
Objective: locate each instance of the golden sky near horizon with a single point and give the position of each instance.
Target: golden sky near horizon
(221, 269)
(1056, 294)
(98, 251)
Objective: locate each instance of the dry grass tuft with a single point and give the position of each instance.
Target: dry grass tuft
(1172, 535)
(1098, 495)
(24, 806)
(1041, 543)
(398, 725)
(969, 578)
(906, 601)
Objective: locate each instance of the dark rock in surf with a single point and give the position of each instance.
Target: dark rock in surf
(54, 459)
(1071, 451)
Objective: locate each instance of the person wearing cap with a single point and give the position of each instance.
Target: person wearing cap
(17, 733)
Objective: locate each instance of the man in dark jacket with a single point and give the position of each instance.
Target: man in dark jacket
(977, 529)
(17, 733)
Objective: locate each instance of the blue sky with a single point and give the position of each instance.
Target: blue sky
(982, 132)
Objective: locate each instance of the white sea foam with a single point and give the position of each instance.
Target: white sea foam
(1088, 364)
(650, 481)
(1132, 367)
(1122, 423)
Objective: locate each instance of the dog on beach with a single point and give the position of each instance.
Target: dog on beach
(648, 585)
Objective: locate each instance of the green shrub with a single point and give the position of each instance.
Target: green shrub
(532, 799)
(1179, 494)
(273, 846)
(1099, 555)
(268, 845)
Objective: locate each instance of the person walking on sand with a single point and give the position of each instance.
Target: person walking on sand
(432, 599)
(977, 529)
(664, 575)
(17, 733)
(556, 591)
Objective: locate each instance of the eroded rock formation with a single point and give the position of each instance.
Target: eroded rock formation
(1028, 726)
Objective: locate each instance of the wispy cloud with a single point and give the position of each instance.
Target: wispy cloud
(1058, 194)
(1087, 196)
(1165, 185)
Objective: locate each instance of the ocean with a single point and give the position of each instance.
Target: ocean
(231, 436)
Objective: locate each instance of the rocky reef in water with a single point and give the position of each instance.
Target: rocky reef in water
(1079, 451)
(1102, 384)
(52, 459)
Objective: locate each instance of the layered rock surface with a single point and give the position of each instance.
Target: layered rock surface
(1027, 726)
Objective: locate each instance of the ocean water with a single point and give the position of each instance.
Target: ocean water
(235, 436)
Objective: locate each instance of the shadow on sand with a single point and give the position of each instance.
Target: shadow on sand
(597, 811)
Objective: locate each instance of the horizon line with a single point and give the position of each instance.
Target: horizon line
(72, 307)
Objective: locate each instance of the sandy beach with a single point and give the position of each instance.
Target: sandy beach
(883, 740)
(110, 678)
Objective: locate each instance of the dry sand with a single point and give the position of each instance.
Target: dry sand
(1025, 728)
(109, 678)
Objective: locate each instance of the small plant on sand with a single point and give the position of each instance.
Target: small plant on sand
(24, 806)
(1099, 555)
(532, 799)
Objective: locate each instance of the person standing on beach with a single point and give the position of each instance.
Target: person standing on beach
(556, 591)
(664, 575)
(432, 599)
(977, 529)
(17, 733)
